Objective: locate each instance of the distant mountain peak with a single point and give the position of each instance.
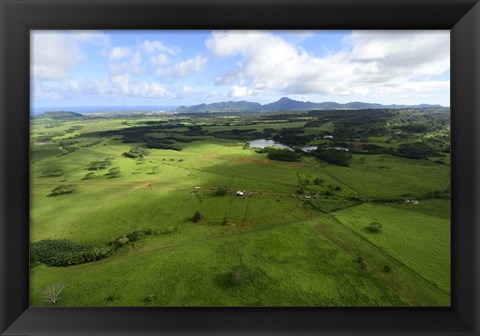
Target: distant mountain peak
(286, 104)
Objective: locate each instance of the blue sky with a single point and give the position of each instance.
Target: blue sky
(173, 68)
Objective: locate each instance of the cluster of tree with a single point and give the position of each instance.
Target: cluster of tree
(162, 144)
(136, 152)
(63, 189)
(333, 156)
(101, 164)
(73, 129)
(293, 137)
(138, 134)
(182, 139)
(195, 131)
(281, 154)
(268, 132)
(61, 253)
(54, 252)
(238, 134)
(53, 125)
(416, 127)
(440, 143)
(416, 150)
(113, 172)
(43, 138)
(52, 172)
(373, 149)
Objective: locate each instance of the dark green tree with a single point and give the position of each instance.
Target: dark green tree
(64, 189)
(221, 191)
(89, 176)
(374, 227)
(114, 172)
(197, 216)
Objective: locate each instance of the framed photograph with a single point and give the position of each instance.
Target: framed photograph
(227, 167)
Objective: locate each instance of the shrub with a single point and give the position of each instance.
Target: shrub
(374, 227)
(120, 241)
(89, 176)
(135, 235)
(52, 173)
(97, 165)
(387, 269)
(137, 152)
(63, 189)
(221, 191)
(197, 217)
(113, 172)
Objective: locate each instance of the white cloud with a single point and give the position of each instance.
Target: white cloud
(55, 53)
(160, 59)
(409, 53)
(240, 91)
(151, 47)
(120, 52)
(114, 87)
(371, 63)
(132, 65)
(194, 64)
(164, 67)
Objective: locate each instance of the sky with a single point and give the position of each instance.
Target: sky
(174, 68)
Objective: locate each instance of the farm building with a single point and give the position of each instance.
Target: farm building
(240, 193)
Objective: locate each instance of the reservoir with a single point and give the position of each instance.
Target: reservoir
(262, 143)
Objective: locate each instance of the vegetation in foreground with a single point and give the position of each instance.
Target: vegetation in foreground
(179, 210)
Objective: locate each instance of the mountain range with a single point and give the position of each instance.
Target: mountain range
(287, 104)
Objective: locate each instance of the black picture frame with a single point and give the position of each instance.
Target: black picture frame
(18, 17)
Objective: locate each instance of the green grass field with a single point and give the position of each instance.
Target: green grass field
(296, 238)
(305, 271)
(426, 236)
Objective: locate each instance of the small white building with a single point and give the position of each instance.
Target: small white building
(240, 193)
(328, 137)
(197, 188)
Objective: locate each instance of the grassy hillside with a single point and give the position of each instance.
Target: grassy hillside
(295, 238)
